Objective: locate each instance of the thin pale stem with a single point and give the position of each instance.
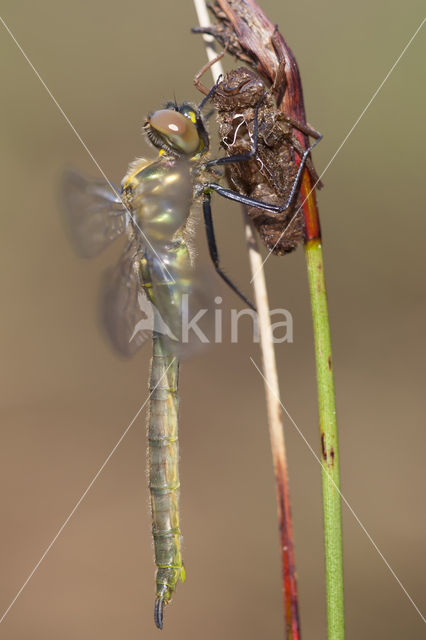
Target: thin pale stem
(276, 435)
(272, 394)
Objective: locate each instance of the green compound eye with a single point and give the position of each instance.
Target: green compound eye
(176, 128)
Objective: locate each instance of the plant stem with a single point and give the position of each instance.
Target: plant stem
(272, 397)
(255, 39)
(329, 442)
(276, 435)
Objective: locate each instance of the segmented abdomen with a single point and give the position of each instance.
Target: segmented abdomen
(164, 472)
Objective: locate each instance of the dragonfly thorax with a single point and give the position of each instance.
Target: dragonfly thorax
(159, 196)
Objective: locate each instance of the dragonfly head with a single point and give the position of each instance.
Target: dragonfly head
(178, 130)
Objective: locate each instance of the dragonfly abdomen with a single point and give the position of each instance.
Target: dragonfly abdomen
(164, 473)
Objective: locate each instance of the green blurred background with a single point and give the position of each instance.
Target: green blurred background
(66, 398)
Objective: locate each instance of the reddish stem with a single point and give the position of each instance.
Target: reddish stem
(252, 37)
(259, 39)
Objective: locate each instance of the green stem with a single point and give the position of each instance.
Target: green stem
(329, 443)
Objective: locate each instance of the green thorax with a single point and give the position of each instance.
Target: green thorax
(159, 195)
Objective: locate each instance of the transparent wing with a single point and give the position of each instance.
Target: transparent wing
(126, 313)
(148, 292)
(94, 214)
(170, 286)
(180, 295)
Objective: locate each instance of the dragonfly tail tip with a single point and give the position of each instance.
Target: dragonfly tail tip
(158, 612)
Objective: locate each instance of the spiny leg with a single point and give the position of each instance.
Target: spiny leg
(242, 199)
(207, 92)
(307, 130)
(259, 204)
(300, 150)
(303, 127)
(197, 78)
(300, 170)
(207, 98)
(214, 255)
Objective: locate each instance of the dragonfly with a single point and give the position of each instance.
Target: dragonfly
(260, 145)
(153, 210)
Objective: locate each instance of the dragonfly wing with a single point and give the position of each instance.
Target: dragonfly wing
(179, 297)
(168, 284)
(94, 214)
(126, 311)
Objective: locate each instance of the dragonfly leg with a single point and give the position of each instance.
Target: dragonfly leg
(207, 92)
(207, 98)
(259, 204)
(242, 199)
(301, 168)
(304, 128)
(300, 150)
(214, 255)
(197, 78)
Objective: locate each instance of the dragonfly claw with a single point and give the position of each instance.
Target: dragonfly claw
(158, 612)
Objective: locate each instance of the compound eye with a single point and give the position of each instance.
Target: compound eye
(178, 129)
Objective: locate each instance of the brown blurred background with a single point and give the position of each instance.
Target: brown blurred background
(66, 398)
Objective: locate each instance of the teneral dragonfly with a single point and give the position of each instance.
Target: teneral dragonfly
(156, 264)
(153, 210)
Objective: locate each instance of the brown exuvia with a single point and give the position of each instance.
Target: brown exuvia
(269, 174)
